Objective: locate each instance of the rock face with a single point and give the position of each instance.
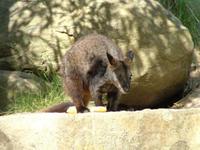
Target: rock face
(34, 34)
(148, 129)
(163, 50)
(15, 82)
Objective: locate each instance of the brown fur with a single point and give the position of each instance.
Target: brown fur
(94, 65)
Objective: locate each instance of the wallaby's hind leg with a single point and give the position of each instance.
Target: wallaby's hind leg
(113, 102)
(74, 89)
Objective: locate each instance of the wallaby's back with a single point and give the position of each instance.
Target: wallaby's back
(82, 54)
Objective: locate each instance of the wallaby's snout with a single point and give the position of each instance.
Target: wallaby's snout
(127, 88)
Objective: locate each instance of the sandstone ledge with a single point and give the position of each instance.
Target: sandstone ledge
(147, 129)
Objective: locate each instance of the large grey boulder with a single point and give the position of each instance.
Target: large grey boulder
(14, 83)
(35, 34)
(140, 130)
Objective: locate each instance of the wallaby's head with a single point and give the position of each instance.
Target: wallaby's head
(119, 71)
(116, 72)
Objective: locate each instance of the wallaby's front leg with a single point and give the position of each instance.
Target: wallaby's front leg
(113, 101)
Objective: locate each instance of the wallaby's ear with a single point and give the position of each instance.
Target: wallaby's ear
(129, 57)
(112, 60)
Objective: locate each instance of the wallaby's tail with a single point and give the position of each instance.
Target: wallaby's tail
(62, 107)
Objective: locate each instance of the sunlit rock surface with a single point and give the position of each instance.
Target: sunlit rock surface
(148, 129)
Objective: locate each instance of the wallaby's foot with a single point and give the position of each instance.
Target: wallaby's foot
(82, 109)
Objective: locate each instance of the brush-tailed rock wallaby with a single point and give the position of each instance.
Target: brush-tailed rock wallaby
(95, 66)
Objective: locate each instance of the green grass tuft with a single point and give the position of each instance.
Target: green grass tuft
(33, 102)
